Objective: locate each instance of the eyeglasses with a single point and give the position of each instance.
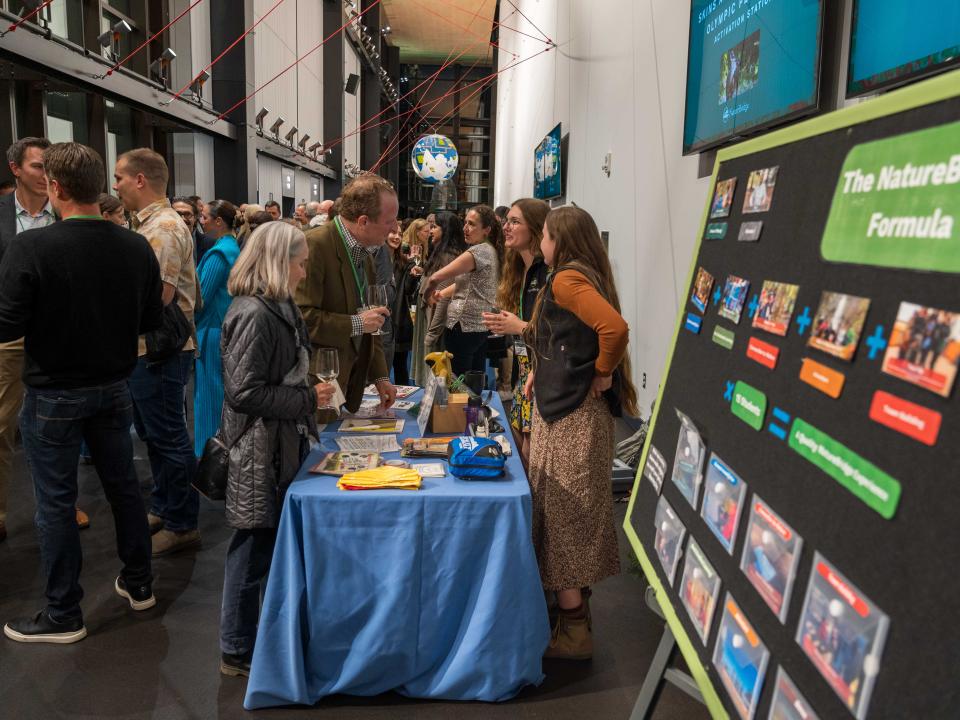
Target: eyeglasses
(185, 214)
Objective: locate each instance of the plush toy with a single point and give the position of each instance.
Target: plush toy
(439, 362)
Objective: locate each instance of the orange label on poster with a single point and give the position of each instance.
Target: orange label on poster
(914, 421)
(743, 623)
(763, 353)
(826, 380)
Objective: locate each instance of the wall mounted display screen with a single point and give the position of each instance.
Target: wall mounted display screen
(546, 168)
(893, 41)
(750, 64)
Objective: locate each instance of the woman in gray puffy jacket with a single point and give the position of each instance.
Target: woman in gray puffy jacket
(268, 416)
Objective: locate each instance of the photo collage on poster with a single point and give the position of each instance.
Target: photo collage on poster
(920, 346)
(841, 631)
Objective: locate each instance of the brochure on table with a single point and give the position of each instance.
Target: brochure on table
(809, 425)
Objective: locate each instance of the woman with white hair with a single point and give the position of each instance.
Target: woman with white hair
(268, 416)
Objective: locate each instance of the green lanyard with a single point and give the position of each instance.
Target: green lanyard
(85, 217)
(361, 286)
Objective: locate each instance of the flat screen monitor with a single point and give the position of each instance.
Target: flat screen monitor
(750, 65)
(895, 41)
(546, 167)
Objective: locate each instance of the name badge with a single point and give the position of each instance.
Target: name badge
(519, 349)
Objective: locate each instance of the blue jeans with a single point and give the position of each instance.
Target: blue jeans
(53, 423)
(244, 580)
(158, 392)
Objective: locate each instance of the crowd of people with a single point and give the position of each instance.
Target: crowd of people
(111, 303)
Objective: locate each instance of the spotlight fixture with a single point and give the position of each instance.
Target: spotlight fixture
(259, 120)
(302, 141)
(386, 30)
(289, 136)
(313, 148)
(275, 128)
(111, 38)
(160, 68)
(196, 87)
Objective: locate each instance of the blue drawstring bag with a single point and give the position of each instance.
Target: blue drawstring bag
(475, 458)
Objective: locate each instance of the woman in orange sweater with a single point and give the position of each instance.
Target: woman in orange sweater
(580, 381)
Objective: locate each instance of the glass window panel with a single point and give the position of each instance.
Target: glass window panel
(67, 117)
(66, 20)
(120, 135)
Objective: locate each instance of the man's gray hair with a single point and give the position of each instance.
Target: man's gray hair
(312, 209)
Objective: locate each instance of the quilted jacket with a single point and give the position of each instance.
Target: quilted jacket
(267, 404)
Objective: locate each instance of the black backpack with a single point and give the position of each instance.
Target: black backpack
(167, 340)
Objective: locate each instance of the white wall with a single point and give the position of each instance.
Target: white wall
(616, 83)
(268, 179)
(288, 33)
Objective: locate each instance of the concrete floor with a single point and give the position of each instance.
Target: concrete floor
(163, 663)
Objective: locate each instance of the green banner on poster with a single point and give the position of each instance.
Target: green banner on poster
(749, 404)
(897, 203)
(861, 477)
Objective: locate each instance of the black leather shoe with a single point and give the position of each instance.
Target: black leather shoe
(235, 665)
(140, 596)
(41, 628)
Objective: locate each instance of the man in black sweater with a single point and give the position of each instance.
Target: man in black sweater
(80, 292)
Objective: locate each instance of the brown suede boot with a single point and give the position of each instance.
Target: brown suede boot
(571, 638)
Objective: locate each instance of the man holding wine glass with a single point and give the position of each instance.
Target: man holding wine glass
(339, 298)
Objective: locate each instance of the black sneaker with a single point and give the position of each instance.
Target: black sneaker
(42, 628)
(235, 665)
(140, 596)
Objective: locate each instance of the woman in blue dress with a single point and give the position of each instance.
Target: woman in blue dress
(217, 219)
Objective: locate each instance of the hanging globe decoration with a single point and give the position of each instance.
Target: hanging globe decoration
(434, 158)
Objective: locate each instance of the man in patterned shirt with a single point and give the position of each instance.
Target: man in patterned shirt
(158, 388)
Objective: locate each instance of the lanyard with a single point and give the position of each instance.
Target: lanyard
(361, 286)
(85, 217)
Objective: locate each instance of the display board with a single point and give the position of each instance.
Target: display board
(797, 506)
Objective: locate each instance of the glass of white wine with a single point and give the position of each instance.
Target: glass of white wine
(376, 298)
(328, 366)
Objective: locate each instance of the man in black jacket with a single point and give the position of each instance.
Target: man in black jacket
(79, 292)
(24, 209)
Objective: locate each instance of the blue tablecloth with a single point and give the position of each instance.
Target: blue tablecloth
(432, 593)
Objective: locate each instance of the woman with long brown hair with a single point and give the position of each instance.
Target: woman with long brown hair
(475, 274)
(580, 380)
(523, 275)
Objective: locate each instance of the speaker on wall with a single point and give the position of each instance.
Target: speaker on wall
(353, 81)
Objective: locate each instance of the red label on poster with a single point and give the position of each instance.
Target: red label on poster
(763, 353)
(844, 591)
(914, 421)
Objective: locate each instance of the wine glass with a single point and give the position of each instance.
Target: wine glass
(328, 366)
(376, 298)
(415, 254)
(494, 310)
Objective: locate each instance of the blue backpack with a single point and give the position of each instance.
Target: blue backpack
(475, 458)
